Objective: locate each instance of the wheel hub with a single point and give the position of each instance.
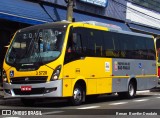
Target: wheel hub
(77, 95)
(131, 90)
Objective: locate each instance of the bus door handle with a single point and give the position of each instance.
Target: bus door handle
(92, 75)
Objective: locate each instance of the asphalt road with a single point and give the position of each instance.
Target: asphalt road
(146, 103)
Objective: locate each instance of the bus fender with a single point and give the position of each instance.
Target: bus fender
(77, 79)
(131, 78)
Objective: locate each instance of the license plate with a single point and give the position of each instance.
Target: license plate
(26, 88)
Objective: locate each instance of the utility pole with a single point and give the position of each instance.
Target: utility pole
(70, 4)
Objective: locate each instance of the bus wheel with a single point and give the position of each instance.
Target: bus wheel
(131, 90)
(130, 93)
(28, 102)
(78, 95)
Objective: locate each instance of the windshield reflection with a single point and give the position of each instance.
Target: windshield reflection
(42, 45)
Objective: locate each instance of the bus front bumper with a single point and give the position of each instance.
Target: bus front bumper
(48, 89)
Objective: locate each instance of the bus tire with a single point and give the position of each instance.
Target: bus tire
(131, 90)
(28, 102)
(130, 93)
(78, 95)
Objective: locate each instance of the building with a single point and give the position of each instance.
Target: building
(16, 14)
(144, 16)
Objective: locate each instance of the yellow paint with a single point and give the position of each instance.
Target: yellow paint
(91, 86)
(104, 85)
(67, 90)
(92, 71)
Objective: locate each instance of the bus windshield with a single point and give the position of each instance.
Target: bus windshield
(37, 45)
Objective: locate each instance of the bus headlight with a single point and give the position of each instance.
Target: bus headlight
(4, 76)
(56, 73)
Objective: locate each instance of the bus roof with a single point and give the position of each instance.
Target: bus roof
(115, 28)
(46, 25)
(111, 27)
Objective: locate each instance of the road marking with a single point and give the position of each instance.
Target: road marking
(91, 107)
(11, 117)
(118, 103)
(49, 113)
(141, 100)
(142, 91)
(156, 94)
(157, 97)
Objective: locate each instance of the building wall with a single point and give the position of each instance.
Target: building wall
(142, 15)
(119, 9)
(113, 10)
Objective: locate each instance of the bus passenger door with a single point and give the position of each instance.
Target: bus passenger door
(73, 61)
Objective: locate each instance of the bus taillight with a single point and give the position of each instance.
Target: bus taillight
(158, 71)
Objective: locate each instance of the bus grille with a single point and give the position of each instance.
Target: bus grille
(34, 91)
(28, 80)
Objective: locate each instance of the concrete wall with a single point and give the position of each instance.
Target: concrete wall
(142, 15)
(113, 9)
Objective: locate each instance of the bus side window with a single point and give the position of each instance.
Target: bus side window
(151, 50)
(74, 48)
(74, 43)
(111, 45)
(141, 48)
(98, 43)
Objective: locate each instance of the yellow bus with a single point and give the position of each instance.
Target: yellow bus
(75, 60)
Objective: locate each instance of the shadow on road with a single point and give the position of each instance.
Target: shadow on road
(54, 103)
(156, 89)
